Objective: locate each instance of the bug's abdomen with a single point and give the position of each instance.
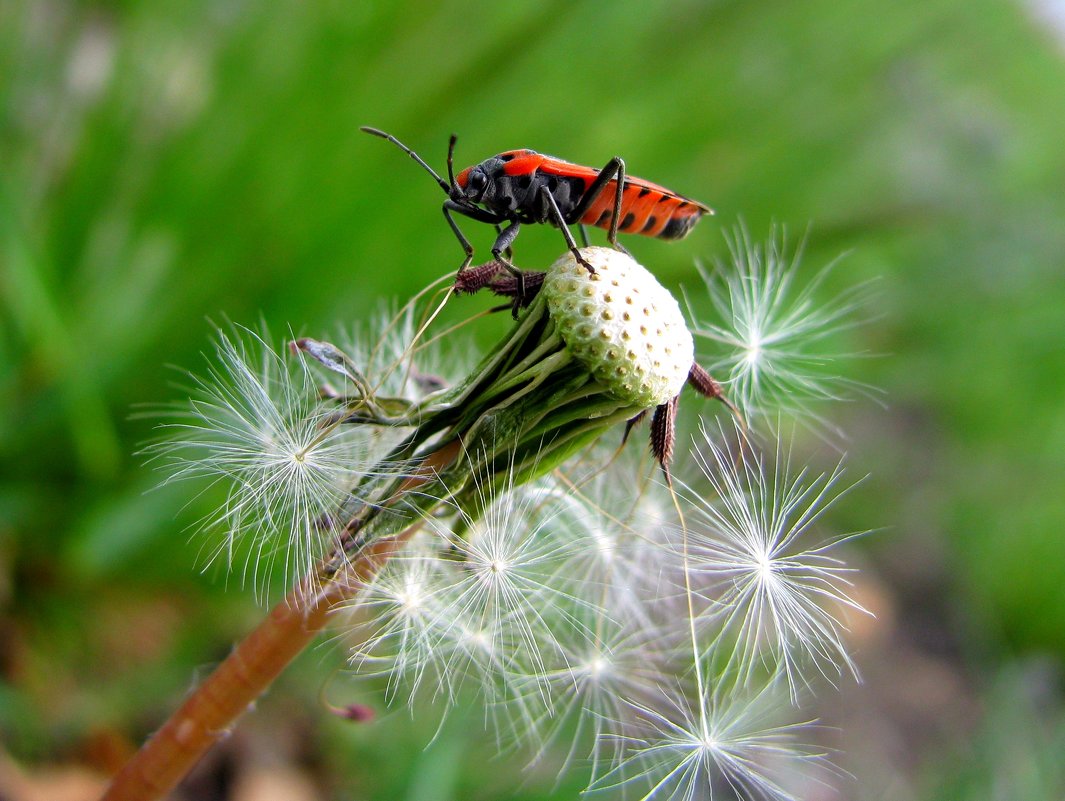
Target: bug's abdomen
(645, 210)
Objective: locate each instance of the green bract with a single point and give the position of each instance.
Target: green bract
(623, 325)
(592, 351)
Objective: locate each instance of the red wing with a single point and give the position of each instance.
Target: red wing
(521, 162)
(553, 166)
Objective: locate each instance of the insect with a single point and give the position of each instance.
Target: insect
(520, 187)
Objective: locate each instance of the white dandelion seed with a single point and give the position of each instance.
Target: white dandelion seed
(404, 617)
(512, 586)
(775, 594)
(772, 342)
(616, 513)
(599, 674)
(723, 742)
(256, 424)
(479, 601)
(397, 363)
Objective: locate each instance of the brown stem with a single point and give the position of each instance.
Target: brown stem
(248, 671)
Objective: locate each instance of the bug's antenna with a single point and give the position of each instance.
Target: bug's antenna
(443, 185)
(450, 159)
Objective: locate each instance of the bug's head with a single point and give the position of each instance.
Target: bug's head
(471, 185)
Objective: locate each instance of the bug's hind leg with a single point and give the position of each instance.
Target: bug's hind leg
(613, 171)
(619, 193)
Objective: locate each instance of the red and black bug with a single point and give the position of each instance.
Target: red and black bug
(523, 186)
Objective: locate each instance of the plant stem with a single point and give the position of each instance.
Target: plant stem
(207, 715)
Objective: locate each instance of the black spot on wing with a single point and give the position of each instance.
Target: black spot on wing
(644, 192)
(626, 224)
(652, 221)
(604, 218)
(678, 227)
(507, 157)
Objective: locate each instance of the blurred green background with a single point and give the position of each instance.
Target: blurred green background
(166, 164)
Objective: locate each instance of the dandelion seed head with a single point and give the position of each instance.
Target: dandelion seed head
(691, 745)
(480, 599)
(774, 590)
(614, 516)
(411, 600)
(770, 341)
(478, 641)
(257, 426)
(764, 567)
(597, 667)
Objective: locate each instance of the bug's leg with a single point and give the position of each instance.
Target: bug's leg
(503, 242)
(584, 234)
(502, 245)
(596, 189)
(474, 214)
(614, 169)
(466, 246)
(619, 193)
(557, 218)
(509, 252)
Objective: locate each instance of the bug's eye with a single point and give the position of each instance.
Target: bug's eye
(478, 182)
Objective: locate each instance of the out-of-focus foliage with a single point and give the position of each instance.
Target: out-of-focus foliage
(163, 164)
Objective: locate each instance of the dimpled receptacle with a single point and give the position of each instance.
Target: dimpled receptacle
(623, 325)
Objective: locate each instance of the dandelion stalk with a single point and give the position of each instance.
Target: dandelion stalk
(206, 716)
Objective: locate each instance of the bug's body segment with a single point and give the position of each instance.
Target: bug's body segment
(523, 186)
(515, 178)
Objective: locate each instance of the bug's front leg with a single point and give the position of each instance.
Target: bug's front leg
(473, 213)
(503, 242)
(466, 246)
